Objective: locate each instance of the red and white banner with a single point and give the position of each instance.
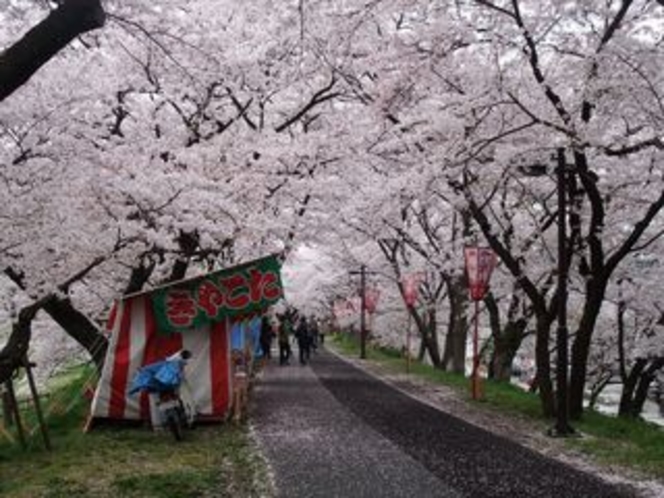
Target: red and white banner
(480, 262)
(135, 342)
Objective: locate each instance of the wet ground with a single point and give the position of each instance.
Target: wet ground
(329, 429)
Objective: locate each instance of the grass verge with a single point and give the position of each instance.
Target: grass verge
(215, 460)
(632, 444)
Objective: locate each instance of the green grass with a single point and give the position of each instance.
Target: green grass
(629, 443)
(215, 460)
(633, 444)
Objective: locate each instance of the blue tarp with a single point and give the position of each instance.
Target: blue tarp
(255, 332)
(157, 377)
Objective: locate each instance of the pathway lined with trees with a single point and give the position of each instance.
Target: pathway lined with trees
(384, 135)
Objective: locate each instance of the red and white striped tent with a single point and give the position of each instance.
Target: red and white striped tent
(139, 335)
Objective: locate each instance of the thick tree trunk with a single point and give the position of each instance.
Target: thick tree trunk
(454, 355)
(79, 327)
(629, 385)
(506, 340)
(505, 348)
(15, 350)
(581, 347)
(543, 362)
(421, 351)
(139, 276)
(636, 386)
(431, 339)
(20, 61)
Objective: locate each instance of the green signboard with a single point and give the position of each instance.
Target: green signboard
(233, 292)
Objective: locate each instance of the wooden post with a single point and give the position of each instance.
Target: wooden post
(16, 414)
(35, 400)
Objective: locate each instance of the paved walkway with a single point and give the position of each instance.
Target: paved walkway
(331, 430)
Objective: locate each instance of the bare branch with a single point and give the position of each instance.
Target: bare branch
(614, 25)
(533, 58)
(495, 7)
(319, 97)
(242, 109)
(639, 228)
(656, 142)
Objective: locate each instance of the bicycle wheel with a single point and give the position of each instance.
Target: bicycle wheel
(174, 422)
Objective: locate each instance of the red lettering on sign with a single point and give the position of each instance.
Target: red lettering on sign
(180, 308)
(210, 298)
(271, 288)
(263, 286)
(237, 293)
(255, 285)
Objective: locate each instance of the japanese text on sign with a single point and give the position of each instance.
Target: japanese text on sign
(236, 291)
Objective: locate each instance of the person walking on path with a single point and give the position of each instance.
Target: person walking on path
(266, 337)
(303, 335)
(284, 341)
(313, 332)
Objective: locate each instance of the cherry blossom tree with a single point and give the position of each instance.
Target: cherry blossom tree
(190, 136)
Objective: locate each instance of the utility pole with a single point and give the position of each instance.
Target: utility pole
(562, 427)
(363, 329)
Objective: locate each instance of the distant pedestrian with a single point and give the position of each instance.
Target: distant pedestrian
(314, 333)
(266, 337)
(325, 325)
(303, 335)
(284, 341)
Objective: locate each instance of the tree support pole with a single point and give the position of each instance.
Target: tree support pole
(16, 415)
(35, 400)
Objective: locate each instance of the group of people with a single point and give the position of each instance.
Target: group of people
(293, 326)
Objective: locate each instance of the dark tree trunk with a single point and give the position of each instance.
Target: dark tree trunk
(581, 347)
(139, 276)
(421, 351)
(506, 340)
(79, 327)
(543, 362)
(15, 350)
(189, 243)
(625, 408)
(7, 406)
(636, 386)
(431, 339)
(428, 341)
(505, 349)
(454, 355)
(20, 61)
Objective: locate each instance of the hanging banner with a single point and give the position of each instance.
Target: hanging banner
(480, 262)
(239, 291)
